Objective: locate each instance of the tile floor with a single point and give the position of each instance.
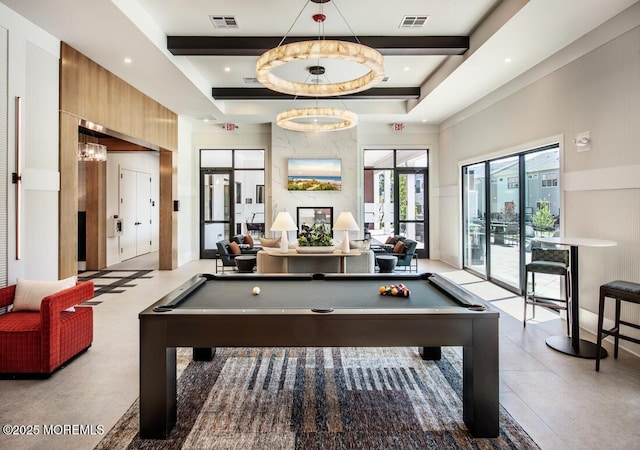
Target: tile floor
(561, 401)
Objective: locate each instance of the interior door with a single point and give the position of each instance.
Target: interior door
(143, 213)
(128, 214)
(135, 211)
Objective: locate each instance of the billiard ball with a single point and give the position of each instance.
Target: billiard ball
(256, 290)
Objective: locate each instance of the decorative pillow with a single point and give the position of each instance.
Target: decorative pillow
(360, 245)
(390, 240)
(273, 243)
(234, 248)
(29, 294)
(399, 248)
(248, 240)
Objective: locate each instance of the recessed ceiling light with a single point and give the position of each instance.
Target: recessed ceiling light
(227, 69)
(127, 60)
(507, 60)
(406, 69)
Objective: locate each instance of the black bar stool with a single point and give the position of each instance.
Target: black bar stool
(551, 262)
(620, 291)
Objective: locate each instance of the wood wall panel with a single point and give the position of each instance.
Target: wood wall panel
(68, 201)
(91, 93)
(168, 260)
(96, 215)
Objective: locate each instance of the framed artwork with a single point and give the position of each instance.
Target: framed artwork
(260, 193)
(312, 216)
(314, 174)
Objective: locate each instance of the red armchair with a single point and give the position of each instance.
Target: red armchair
(39, 342)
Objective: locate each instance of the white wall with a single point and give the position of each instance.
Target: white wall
(292, 144)
(33, 72)
(598, 92)
(147, 162)
(188, 188)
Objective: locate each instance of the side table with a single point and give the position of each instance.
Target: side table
(386, 263)
(245, 263)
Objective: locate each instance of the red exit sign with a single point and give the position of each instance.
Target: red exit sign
(398, 127)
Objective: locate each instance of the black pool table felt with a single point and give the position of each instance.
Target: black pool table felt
(222, 293)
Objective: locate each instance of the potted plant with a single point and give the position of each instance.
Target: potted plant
(315, 238)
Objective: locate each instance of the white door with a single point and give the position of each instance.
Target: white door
(143, 210)
(135, 211)
(128, 214)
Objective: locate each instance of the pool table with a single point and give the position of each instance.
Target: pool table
(317, 310)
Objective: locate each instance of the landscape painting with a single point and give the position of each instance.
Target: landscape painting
(314, 174)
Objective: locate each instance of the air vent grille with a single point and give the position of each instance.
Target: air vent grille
(413, 21)
(250, 80)
(385, 79)
(224, 22)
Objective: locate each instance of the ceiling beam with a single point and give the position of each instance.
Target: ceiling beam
(256, 45)
(397, 93)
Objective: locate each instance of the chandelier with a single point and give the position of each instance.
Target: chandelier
(320, 49)
(90, 151)
(369, 73)
(309, 119)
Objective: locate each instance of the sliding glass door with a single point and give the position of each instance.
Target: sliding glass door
(506, 203)
(504, 223)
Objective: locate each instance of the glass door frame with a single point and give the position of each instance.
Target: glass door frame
(421, 252)
(211, 253)
(522, 196)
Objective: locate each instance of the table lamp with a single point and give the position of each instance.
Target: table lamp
(345, 223)
(284, 222)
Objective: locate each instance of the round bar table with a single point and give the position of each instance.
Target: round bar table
(573, 345)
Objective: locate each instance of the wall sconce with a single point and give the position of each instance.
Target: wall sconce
(582, 141)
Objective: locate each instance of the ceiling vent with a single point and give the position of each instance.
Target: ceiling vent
(250, 80)
(413, 21)
(224, 22)
(385, 79)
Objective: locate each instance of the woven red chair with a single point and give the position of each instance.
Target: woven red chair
(38, 342)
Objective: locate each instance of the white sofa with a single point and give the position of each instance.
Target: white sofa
(364, 263)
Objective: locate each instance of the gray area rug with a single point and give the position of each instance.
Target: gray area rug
(325, 398)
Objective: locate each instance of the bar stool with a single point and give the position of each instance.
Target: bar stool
(620, 291)
(552, 262)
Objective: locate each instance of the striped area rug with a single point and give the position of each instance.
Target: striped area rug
(326, 398)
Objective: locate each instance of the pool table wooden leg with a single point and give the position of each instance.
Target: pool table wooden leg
(480, 368)
(158, 395)
(431, 353)
(203, 354)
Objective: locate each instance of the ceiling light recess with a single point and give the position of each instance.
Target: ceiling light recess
(316, 51)
(339, 119)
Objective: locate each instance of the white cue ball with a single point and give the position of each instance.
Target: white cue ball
(256, 290)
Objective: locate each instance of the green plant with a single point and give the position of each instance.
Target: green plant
(543, 219)
(316, 235)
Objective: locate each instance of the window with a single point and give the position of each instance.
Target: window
(513, 183)
(549, 180)
(396, 195)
